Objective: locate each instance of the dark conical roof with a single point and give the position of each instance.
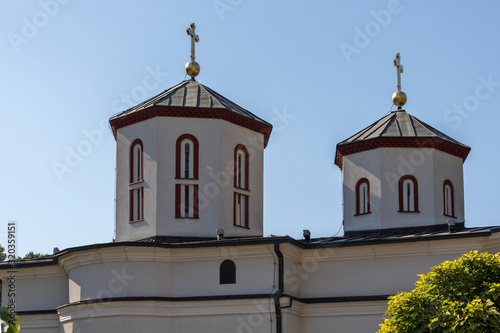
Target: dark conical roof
(399, 129)
(191, 99)
(399, 124)
(192, 94)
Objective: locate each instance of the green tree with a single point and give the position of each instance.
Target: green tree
(8, 323)
(456, 296)
(2, 253)
(32, 255)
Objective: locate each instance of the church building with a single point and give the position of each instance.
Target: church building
(189, 253)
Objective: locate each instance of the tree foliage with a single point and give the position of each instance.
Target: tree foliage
(32, 255)
(456, 296)
(8, 323)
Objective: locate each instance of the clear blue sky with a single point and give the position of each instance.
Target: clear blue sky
(67, 66)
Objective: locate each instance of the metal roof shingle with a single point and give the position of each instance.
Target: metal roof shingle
(192, 94)
(399, 124)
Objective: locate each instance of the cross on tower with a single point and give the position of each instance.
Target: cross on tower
(194, 38)
(397, 63)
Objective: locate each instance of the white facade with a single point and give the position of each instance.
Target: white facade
(383, 168)
(217, 142)
(157, 288)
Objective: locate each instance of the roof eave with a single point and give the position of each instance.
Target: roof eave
(344, 149)
(191, 112)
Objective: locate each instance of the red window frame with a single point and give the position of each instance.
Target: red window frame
(242, 148)
(450, 184)
(178, 157)
(358, 203)
(415, 193)
(132, 160)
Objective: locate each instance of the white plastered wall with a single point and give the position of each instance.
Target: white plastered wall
(217, 140)
(36, 288)
(383, 167)
(147, 132)
(153, 271)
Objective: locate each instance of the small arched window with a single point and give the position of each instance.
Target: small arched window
(186, 165)
(227, 272)
(136, 161)
(241, 167)
(363, 197)
(408, 194)
(448, 199)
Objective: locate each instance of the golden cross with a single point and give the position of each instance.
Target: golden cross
(194, 38)
(397, 63)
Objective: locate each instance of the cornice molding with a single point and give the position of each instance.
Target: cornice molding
(400, 142)
(124, 253)
(190, 112)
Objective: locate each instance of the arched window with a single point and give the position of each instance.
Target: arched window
(408, 194)
(227, 272)
(363, 197)
(136, 200)
(241, 167)
(136, 161)
(186, 174)
(448, 199)
(241, 186)
(187, 152)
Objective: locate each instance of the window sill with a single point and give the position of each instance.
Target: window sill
(187, 218)
(241, 190)
(136, 221)
(186, 181)
(136, 185)
(240, 226)
(409, 211)
(454, 217)
(362, 214)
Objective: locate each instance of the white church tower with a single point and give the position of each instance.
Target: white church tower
(401, 174)
(189, 165)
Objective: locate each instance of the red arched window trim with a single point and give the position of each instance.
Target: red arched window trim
(448, 182)
(245, 151)
(178, 150)
(415, 194)
(358, 203)
(132, 146)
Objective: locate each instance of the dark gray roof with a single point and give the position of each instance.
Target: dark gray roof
(192, 94)
(341, 241)
(399, 124)
(402, 237)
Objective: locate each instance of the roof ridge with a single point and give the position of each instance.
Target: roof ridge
(141, 105)
(413, 125)
(229, 104)
(366, 129)
(382, 121)
(393, 119)
(211, 94)
(433, 129)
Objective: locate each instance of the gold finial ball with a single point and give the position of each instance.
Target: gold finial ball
(192, 68)
(399, 98)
